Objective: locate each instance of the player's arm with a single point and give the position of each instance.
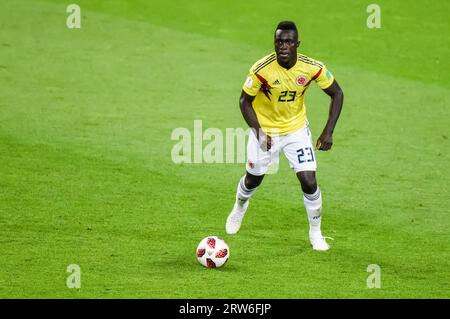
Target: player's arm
(325, 140)
(245, 103)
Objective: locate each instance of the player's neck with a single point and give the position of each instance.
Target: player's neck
(289, 64)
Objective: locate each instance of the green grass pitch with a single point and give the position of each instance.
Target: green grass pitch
(86, 175)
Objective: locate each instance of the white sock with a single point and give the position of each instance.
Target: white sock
(313, 205)
(243, 194)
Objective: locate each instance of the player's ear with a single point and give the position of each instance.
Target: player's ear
(298, 44)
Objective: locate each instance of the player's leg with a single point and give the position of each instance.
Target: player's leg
(312, 199)
(247, 187)
(300, 153)
(257, 165)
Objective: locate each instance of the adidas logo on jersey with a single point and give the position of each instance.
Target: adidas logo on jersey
(276, 82)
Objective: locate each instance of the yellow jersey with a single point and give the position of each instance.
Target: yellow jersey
(279, 93)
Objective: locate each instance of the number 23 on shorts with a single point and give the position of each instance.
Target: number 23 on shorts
(305, 155)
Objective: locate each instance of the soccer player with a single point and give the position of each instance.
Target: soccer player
(272, 103)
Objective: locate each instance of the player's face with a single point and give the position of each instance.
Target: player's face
(286, 43)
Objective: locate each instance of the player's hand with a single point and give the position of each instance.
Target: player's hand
(324, 142)
(265, 141)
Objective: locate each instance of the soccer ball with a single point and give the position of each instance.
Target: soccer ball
(213, 252)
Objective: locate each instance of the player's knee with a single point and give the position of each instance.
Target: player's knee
(308, 181)
(253, 181)
(309, 186)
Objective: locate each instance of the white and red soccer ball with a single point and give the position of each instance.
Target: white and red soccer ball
(213, 252)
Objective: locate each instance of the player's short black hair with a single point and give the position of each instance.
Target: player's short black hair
(287, 25)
